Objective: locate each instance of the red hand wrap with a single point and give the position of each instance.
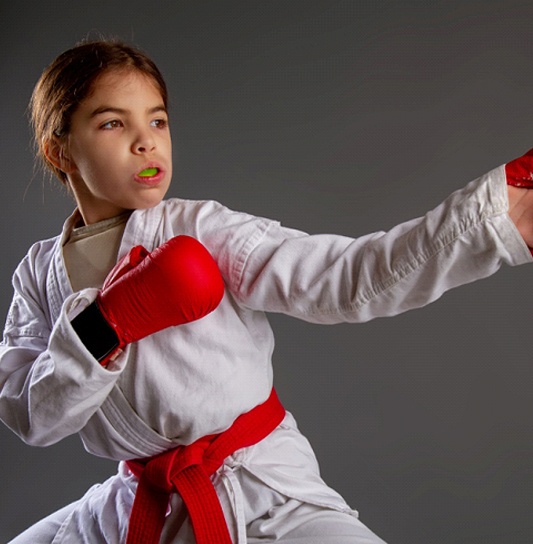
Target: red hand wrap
(519, 173)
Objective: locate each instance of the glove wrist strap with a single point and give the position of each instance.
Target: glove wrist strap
(96, 333)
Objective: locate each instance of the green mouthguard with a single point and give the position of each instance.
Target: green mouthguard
(148, 172)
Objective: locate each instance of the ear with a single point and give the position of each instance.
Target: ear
(56, 152)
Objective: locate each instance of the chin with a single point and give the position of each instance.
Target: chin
(149, 204)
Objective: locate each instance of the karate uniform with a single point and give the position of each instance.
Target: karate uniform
(186, 382)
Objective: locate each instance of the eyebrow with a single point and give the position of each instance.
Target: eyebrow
(121, 111)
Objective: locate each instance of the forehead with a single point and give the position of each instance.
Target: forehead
(121, 86)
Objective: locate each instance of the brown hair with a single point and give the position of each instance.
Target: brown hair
(70, 78)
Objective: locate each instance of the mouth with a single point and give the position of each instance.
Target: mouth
(148, 172)
(151, 175)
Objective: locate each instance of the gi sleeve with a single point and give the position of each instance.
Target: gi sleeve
(330, 279)
(50, 385)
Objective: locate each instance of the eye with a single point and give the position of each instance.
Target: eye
(160, 123)
(109, 125)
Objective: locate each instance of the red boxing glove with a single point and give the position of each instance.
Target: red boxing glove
(177, 283)
(519, 172)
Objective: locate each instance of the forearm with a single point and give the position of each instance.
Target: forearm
(519, 178)
(466, 238)
(521, 212)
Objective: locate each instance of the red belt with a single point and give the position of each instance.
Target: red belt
(187, 470)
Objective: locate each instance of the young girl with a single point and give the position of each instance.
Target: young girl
(158, 364)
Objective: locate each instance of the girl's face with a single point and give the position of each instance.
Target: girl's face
(119, 153)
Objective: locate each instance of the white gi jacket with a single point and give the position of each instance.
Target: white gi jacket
(189, 381)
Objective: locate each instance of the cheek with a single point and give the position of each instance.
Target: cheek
(87, 168)
(79, 156)
(93, 161)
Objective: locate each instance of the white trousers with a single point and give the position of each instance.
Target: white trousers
(268, 517)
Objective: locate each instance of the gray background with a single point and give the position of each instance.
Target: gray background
(330, 116)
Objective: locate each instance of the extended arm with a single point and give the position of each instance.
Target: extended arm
(330, 279)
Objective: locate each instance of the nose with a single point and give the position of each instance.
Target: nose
(144, 142)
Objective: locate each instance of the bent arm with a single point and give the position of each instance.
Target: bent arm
(50, 385)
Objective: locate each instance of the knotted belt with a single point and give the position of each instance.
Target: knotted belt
(187, 470)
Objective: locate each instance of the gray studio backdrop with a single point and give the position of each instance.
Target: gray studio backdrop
(344, 117)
